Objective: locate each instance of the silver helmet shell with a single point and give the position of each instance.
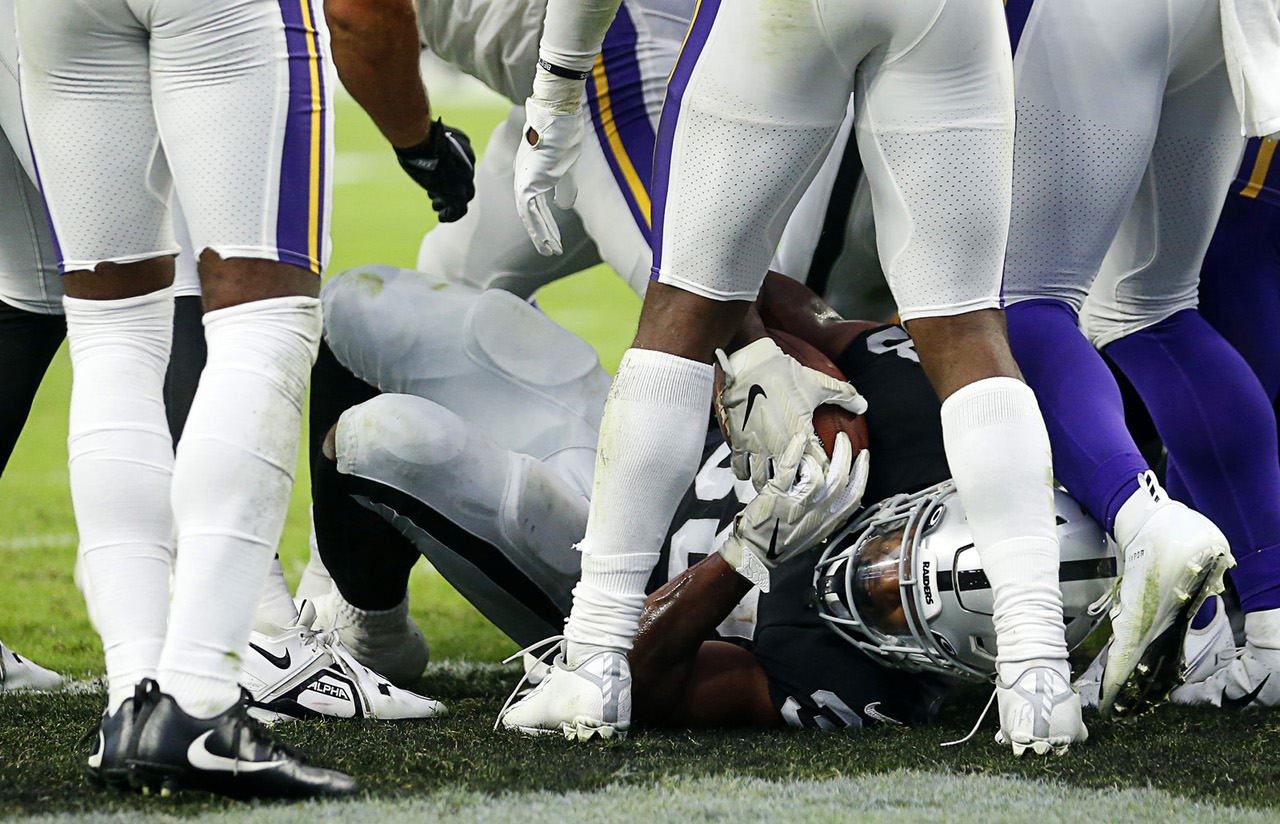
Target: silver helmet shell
(904, 583)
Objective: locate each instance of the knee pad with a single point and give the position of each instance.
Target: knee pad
(394, 438)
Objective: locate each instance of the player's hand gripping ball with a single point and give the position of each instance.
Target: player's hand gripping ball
(445, 166)
(775, 388)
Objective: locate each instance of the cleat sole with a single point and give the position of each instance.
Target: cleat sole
(1158, 670)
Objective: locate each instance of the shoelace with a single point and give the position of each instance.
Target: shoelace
(552, 644)
(1102, 604)
(982, 717)
(318, 640)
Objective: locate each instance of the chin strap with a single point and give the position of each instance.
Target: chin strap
(974, 731)
(553, 644)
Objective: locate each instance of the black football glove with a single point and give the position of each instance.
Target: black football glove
(445, 166)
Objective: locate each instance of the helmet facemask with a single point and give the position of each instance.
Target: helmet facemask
(904, 584)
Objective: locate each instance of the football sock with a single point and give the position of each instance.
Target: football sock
(654, 425)
(120, 458)
(999, 455)
(1262, 628)
(28, 341)
(1239, 290)
(231, 485)
(316, 582)
(1094, 455)
(276, 610)
(1221, 436)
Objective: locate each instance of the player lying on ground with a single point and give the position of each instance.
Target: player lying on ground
(751, 108)
(499, 522)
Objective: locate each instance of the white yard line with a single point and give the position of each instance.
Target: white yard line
(44, 540)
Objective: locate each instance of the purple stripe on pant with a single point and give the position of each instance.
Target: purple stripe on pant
(628, 110)
(323, 114)
(699, 30)
(295, 234)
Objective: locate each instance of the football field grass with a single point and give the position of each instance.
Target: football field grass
(1176, 765)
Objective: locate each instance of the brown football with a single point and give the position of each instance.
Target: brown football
(828, 420)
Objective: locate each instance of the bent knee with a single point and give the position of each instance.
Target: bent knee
(397, 434)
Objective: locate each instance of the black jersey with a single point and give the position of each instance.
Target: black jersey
(816, 678)
(904, 416)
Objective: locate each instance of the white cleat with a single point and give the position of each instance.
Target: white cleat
(1204, 652)
(583, 702)
(302, 673)
(1250, 679)
(1251, 676)
(19, 674)
(1174, 558)
(1210, 648)
(1089, 684)
(1039, 712)
(387, 641)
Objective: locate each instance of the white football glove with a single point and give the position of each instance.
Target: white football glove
(544, 170)
(797, 509)
(769, 398)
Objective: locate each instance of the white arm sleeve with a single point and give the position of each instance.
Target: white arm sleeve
(572, 35)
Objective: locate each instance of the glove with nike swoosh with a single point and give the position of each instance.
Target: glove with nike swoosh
(798, 508)
(769, 398)
(445, 166)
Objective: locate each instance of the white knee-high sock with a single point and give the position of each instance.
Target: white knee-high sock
(998, 450)
(276, 610)
(651, 437)
(231, 485)
(316, 582)
(121, 464)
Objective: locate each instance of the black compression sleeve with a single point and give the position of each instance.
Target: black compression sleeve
(367, 557)
(28, 342)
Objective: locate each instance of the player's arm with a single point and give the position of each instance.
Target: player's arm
(789, 306)
(375, 47)
(572, 35)
(681, 679)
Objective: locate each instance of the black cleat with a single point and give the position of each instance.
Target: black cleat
(110, 743)
(230, 754)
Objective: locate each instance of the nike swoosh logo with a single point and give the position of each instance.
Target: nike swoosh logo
(457, 147)
(756, 391)
(1244, 700)
(281, 661)
(200, 758)
(772, 553)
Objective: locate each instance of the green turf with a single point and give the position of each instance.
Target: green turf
(1226, 758)
(453, 763)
